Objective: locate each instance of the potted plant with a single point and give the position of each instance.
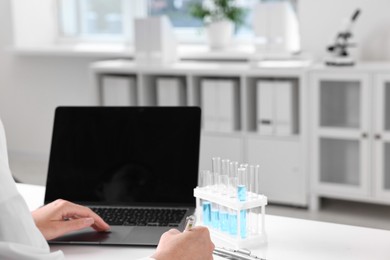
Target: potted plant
(220, 18)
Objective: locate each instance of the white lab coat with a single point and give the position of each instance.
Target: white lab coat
(19, 237)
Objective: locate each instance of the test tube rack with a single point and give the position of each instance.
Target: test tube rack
(254, 202)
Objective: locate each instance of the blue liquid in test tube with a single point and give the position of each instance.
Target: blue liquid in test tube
(206, 213)
(224, 220)
(233, 224)
(243, 224)
(241, 192)
(214, 218)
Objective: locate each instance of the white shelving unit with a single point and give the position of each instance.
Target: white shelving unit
(350, 133)
(284, 175)
(382, 136)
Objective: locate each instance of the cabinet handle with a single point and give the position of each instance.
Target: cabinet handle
(378, 136)
(364, 135)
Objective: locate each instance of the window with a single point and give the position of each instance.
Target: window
(92, 19)
(111, 20)
(176, 10)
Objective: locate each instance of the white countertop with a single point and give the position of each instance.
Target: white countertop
(288, 239)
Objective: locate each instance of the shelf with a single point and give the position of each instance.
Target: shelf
(273, 105)
(271, 137)
(234, 134)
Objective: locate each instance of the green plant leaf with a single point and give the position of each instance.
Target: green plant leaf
(197, 11)
(224, 9)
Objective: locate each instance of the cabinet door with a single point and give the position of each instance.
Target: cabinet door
(282, 178)
(340, 134)
(382, 136)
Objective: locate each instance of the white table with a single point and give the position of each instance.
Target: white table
(288, 238)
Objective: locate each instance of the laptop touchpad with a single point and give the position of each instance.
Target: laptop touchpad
(116, 235)
(146, 235)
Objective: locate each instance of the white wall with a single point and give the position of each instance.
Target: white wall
(31, 87)
(33, 22)
(320, 20)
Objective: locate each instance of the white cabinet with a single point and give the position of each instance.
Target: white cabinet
(381, 136)
(281, 173)
(349, 139)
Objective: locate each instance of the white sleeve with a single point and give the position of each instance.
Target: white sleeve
(19, 237)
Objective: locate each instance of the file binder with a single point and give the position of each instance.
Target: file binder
(220, 106)
(209, 107)
(265, 107)
(284, 109)
(170, 92)
(228, 108)
(119, 91)
(277, 107)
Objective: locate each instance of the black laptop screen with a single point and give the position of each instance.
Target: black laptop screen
(124, 155)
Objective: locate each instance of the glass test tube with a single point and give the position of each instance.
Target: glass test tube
(223, 191)
(244, 165)
(257, 179)
(252, 217)
(216, 164)
(233, 179)
(257, 211)
(233, 182)
(241, 187)
(243, 231)
(214, 215)
(224, 185)
(205, 182)
(242, 196)
(252, 182)
(216, 171)
(233, 222)
(225, 166)
(224, 219)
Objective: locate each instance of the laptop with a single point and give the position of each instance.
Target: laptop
(134, 166)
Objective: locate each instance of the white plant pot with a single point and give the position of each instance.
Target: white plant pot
(219, 34)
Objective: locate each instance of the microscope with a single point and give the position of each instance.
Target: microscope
(339, 54)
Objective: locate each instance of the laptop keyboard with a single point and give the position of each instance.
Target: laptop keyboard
(140, 216)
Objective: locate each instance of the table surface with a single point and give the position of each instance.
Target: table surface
(288, 238)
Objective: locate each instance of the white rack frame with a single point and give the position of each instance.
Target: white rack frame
(257, 201)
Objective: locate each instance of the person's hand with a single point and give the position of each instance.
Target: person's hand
(194, 244)
(61, 217)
